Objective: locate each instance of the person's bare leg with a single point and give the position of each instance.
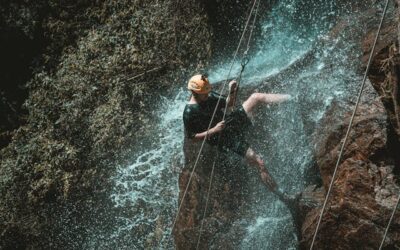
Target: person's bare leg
(262, 98)
(267, 179)
(255, 160)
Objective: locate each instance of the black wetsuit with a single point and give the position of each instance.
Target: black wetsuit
(197, 117)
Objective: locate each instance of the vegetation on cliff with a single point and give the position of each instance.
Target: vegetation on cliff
(99, 66)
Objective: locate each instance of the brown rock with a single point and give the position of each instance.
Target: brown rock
(385, 70)
(364, 190)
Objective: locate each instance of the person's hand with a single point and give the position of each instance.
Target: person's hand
(232, 86)
(219, 127)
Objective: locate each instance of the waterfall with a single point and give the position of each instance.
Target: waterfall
(149, 185)
(297, 53)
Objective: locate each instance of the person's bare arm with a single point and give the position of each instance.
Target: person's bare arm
(276, 98)
(218, 128)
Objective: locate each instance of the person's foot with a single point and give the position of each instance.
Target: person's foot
(267, 180)
(290, 200)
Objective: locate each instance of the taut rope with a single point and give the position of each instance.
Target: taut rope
(350, 125)
(245, 60)
(390, 222)
(213, 116)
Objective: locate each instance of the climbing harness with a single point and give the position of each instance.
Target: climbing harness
(349, 127)
(209, 126)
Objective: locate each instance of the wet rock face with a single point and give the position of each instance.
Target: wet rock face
(385, 78)
(227, 195)
(364, 191)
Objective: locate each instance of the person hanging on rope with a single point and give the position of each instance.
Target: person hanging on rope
(198, 113)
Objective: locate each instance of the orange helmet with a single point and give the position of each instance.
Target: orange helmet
(199, 84)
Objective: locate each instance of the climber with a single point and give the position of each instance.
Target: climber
(199, 111)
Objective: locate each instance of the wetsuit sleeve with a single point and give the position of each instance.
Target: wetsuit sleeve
(189, 122)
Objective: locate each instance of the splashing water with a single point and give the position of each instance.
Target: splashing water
(149, 185)
(295, 55)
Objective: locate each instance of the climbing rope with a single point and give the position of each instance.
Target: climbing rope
(207, 199)
(390, 222)
(213, 116)
(350, 125)
(245, 61)
(212, 176)
(238, 80)
(245, 58)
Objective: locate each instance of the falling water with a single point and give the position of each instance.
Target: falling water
(149, 185)
(296, 54)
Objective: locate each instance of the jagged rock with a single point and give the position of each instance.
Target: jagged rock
(364, 191)
(385, 75)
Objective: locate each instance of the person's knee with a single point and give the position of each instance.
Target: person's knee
(250, 154)
(251, 103)
(252, 98)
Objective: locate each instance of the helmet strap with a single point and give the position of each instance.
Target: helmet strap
(195, 95)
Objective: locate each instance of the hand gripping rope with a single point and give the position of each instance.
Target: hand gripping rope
(245, 61)
(212, 118)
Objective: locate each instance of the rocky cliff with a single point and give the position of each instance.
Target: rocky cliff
(366, 188)
(87, 73)
(90, 89)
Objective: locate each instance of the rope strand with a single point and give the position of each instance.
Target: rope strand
(212, 119)
(245, 59)
(390, 222)
(350, 125)
(251, 31)
(208, 196)
(223, 118)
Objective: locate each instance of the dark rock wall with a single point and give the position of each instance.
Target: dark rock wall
(366, 187)
(228, 20)
(33, 35)
(384, 76)
(90, 91)
(364, 190)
